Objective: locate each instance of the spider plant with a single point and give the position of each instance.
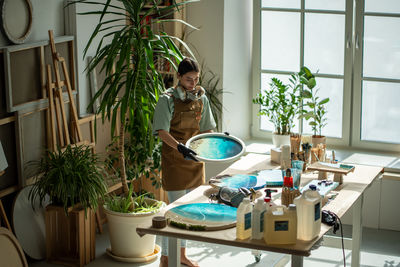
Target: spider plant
(133, 83)
(70, 176)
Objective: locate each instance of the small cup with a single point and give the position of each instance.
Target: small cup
(297, 164)
(296, 173)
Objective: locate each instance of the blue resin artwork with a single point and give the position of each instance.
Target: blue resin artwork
(256, 180)
(216, 147)
(202, 216)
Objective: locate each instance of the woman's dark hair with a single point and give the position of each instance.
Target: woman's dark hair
(188, 65)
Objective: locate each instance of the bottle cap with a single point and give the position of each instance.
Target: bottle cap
(267, 199)
(313, 187)
(288, 181)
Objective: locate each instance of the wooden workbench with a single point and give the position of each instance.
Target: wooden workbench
(350, 195)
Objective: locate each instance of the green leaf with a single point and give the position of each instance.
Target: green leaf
(311, 83)
(306, 94)
(323, 101)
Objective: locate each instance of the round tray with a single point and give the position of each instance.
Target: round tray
(216, 147)
(29, 224)
(202, 216)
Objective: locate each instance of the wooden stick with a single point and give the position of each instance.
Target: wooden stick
(63, 116)
(51, 104)
(59, 122)
(75, 118)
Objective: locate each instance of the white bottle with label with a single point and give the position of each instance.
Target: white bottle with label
(257, 221)
(308, 214)
(243, 219)
(280, 225)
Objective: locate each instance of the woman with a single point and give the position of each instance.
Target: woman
(181, 112)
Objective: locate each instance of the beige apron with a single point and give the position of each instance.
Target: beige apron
(177, 172)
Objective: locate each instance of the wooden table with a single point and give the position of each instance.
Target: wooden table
(350, 195)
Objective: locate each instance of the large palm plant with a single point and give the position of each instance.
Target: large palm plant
(133, 84)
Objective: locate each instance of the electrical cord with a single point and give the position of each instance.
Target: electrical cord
(331, 219)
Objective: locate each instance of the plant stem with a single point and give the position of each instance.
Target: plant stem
(121, 148)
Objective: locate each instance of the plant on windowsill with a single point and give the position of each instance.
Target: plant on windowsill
(280, 103)
(129, 94)
(314, 108)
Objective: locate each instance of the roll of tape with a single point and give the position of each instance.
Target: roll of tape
(159, 222)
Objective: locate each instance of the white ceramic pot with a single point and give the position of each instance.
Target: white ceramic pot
(278, 140)
(318, 140)
(125, 242)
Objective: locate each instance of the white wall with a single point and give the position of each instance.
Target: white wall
(82, 26)
(238, 21)
(224, 42)
(207, 42)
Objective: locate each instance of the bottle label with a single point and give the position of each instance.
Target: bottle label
(317, 211)
(281, 225)
(247, 221)
(262, 221)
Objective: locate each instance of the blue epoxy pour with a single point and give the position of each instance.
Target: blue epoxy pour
(206, 212)
(216, 147)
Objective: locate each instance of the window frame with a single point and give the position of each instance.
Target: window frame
(358, 79)
(352, 73)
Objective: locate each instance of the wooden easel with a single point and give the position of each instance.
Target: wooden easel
(57, 109)
(3, 212)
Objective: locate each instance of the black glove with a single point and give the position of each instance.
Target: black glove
(187, 153)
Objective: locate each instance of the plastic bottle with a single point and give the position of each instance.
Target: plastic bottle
(308, 214)
(280, 225)
(257, 221)
(243, 219)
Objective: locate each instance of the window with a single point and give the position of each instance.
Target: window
(355, 58)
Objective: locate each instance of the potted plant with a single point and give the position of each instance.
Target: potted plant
(314, 108)
(132, 85)
(73, 179)
(280, 103)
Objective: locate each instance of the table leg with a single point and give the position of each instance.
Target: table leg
(357, 232)
(297, 261)
(174, 252)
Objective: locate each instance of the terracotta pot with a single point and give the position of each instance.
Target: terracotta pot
(318, 139)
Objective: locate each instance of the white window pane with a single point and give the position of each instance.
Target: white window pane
(326, 4)
(265, 124)
(280, 40)
(324, 43)
(380, 112)
(332, 88)
(281, 3)
(381, 47)
(385, 6)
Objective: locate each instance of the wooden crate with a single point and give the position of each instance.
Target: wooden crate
(70, 240)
